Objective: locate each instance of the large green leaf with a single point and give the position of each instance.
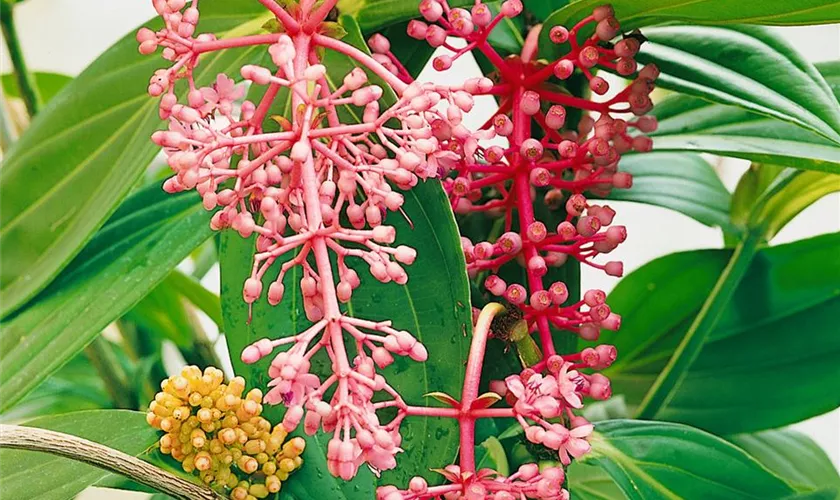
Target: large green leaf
(659, 460)
(434, 306)
(591, 482)
(682, 182)
(76, 386)
(28, 474)
(749, 67)
(791, 455)
(637, 13)
(692, 124)
(86, 149)
(145, 239)
(755, 371)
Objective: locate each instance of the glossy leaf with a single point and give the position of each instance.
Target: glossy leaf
(193, 291)
(315, 482)
(373, 15)
(49, 84)
(87, 148)
(75, 387)
(693, 124)
(433, 306)
(683, 182)
(591, 482)
(28, 474)
(792, 456)
(636, 13)
(801, 193)
(542, 9)
(745, 66)
(755, 371)
(673, 461)
(145, 239)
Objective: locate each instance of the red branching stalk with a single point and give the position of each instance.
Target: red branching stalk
(504, 181)
(290, 189)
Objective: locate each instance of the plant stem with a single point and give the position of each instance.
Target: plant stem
(82, 450)
(25, 81)
(666, 384)
(101, 356)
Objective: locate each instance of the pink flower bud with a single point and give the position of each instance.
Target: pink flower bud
(540, 177)
(567, 149)
(384, 234)
(540, 300)
(536, 231)
(625, 66)
(503, 125)
(616, 234)
(649, 72)
(575, 205)
(558, 34)
(588, 56)
(537, 265)
(379, 43)
(555, 118)
(612, 322)
(531, 149)
(366, 95)
(292, 418)
(481, 15)
(275, 293)
(622, 180)
(564, 69)
(602, 12)
(431, 10)
(418, 485)
(355, 79)
(559, 292)
(599, 85)
(435, 35)
(515, 294)
(614, 268)
(417, 29)
(495, 285)
(593, 298)
(494, 154)
(419, 353)
(566, 230)
(530, 103)
(442, 62)
(509, 243)
(627, 47)
(252, 290)
(511, 8)
(607, 28)
(642, 143)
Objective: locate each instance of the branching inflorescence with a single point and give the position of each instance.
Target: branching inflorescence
(321, 189)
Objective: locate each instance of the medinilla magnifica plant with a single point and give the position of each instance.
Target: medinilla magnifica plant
(400, 257)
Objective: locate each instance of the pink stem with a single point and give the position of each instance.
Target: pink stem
(378, 69)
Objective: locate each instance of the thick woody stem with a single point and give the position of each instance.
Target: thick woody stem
(109, 459)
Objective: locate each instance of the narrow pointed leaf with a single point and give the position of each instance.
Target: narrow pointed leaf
(672, 461)
(87, 149)
(139, 246)
(29, 474)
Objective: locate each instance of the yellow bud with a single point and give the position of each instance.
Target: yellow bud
(216, 446)
(247, 464)
(272, 483)
(204, 415)
(294, 447)
(195, 399)
(254, 395)
(181, 413)
(239, 493)
(262, 458)
(287, 465)
(254, 446)
(282, 475)
(269, 468)
(298, 461)
(227, 436)
(258, 490)
(188, 464)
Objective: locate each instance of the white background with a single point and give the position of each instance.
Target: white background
(64, 36)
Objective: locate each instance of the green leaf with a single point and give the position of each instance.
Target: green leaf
(76, 386)
(87, 148)
(635, 13)
(798, 195)
(28, 474)
(490, 454)
(673, 461)
(202, 298)
(683, 182)
(313, 480)
(746, 66)
(507, 37)
(413, 54)
(373, 15)
(754, 372)
(433, 306)
(542, 9)
(792, 456)
(591, 482)
(145, 239)
(692, 124)
(49, 84)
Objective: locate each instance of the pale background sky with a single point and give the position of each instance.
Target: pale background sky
(64, 36)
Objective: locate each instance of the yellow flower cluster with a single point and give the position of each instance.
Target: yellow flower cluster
(217, 433)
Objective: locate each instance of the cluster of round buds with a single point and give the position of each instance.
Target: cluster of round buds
(216, 432)
(485, 484)
(559, 167)
(539, 399)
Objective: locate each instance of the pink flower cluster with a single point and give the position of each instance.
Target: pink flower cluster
(293, 190)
